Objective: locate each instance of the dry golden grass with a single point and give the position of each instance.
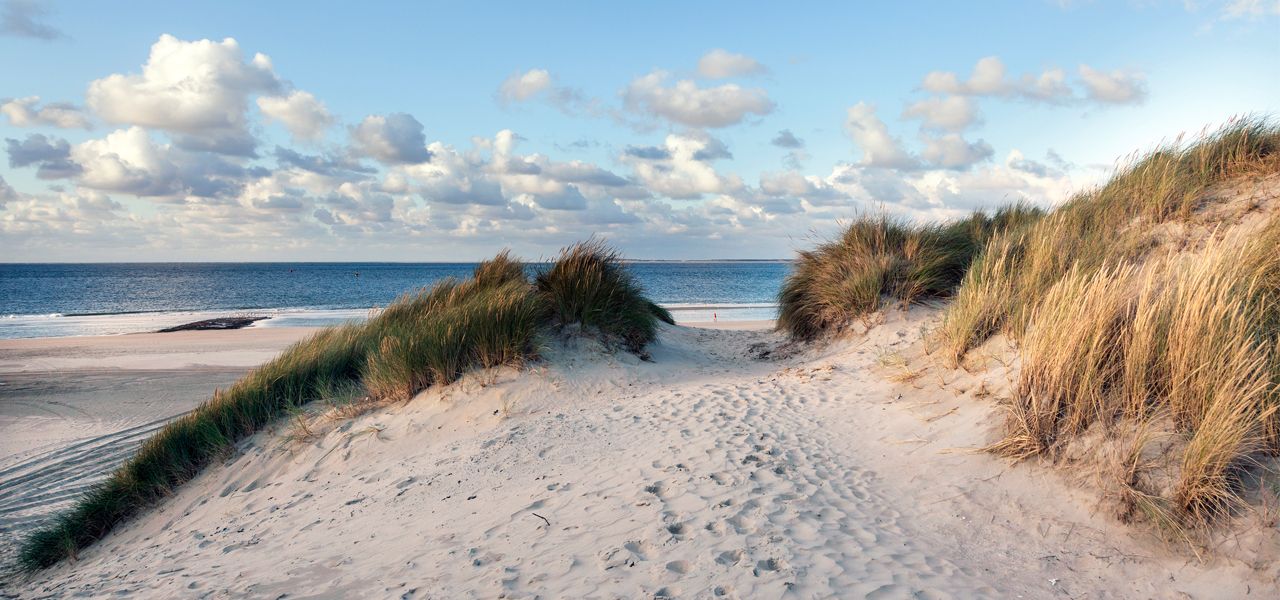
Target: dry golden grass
(1105, 226)
(1190, 335)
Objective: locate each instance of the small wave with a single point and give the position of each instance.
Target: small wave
(704, 306)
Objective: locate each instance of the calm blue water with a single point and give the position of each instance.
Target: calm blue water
(38, 300)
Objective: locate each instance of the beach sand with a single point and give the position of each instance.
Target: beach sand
(71, 409)
(731, 466)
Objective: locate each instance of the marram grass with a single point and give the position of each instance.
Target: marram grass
(430, 337)
(878, 258)
(1115, 329)
(1106, 225)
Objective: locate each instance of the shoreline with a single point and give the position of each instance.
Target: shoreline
(46, 326)
(62, 389)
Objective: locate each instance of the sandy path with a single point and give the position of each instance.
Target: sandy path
(703, 474)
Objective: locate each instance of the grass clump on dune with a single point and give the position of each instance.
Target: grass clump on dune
(588, 285)
(878, 258)
(426, 338)
(1105, 226)
(1186, 340)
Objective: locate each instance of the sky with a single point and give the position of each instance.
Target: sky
(319, 131)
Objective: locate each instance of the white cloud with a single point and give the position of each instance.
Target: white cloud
(127, 160)
(871, 135)
(953, 113)
(131, 161)
(300, 112)
(990, 78)
(987, 79)
(1049, 86)
(722, 64)
(1116, 87)
(681, 168)
(951, 151)
(687, 104)
(24, 112)
(396, 138)
(192, 88)
(809, 188)
(521, 87)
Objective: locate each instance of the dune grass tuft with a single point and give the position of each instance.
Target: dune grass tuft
(481, 323)
(878, 258)
(430, 337)
(587, 284)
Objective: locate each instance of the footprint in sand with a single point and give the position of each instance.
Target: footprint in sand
(730, 557)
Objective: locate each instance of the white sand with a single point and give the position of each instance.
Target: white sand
(57, 391)
(71, 409)
(731, 325)
(705, 473)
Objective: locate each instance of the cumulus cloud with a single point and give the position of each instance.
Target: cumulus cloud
(321, 165)
(786, 139)
(722, 64)
(809, 188)
(987, 79)
(198, 88)
(1116, 87)
(952, 113)
(51, 154)
(522, 87)
(127, 160)
(687, 104)
(396, 138)
(871, 135)
(300, 112)
(584, 173)
(1019, 162)
(131, 161)
(23, 18)
(539, 84)
(681, 168)
(990, 78)
(25, 112)
(951, 151)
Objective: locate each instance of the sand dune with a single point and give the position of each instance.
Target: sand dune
(706, 473)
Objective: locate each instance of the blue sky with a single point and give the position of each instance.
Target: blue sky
(149, 131)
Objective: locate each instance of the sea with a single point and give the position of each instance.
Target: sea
(55, 300)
